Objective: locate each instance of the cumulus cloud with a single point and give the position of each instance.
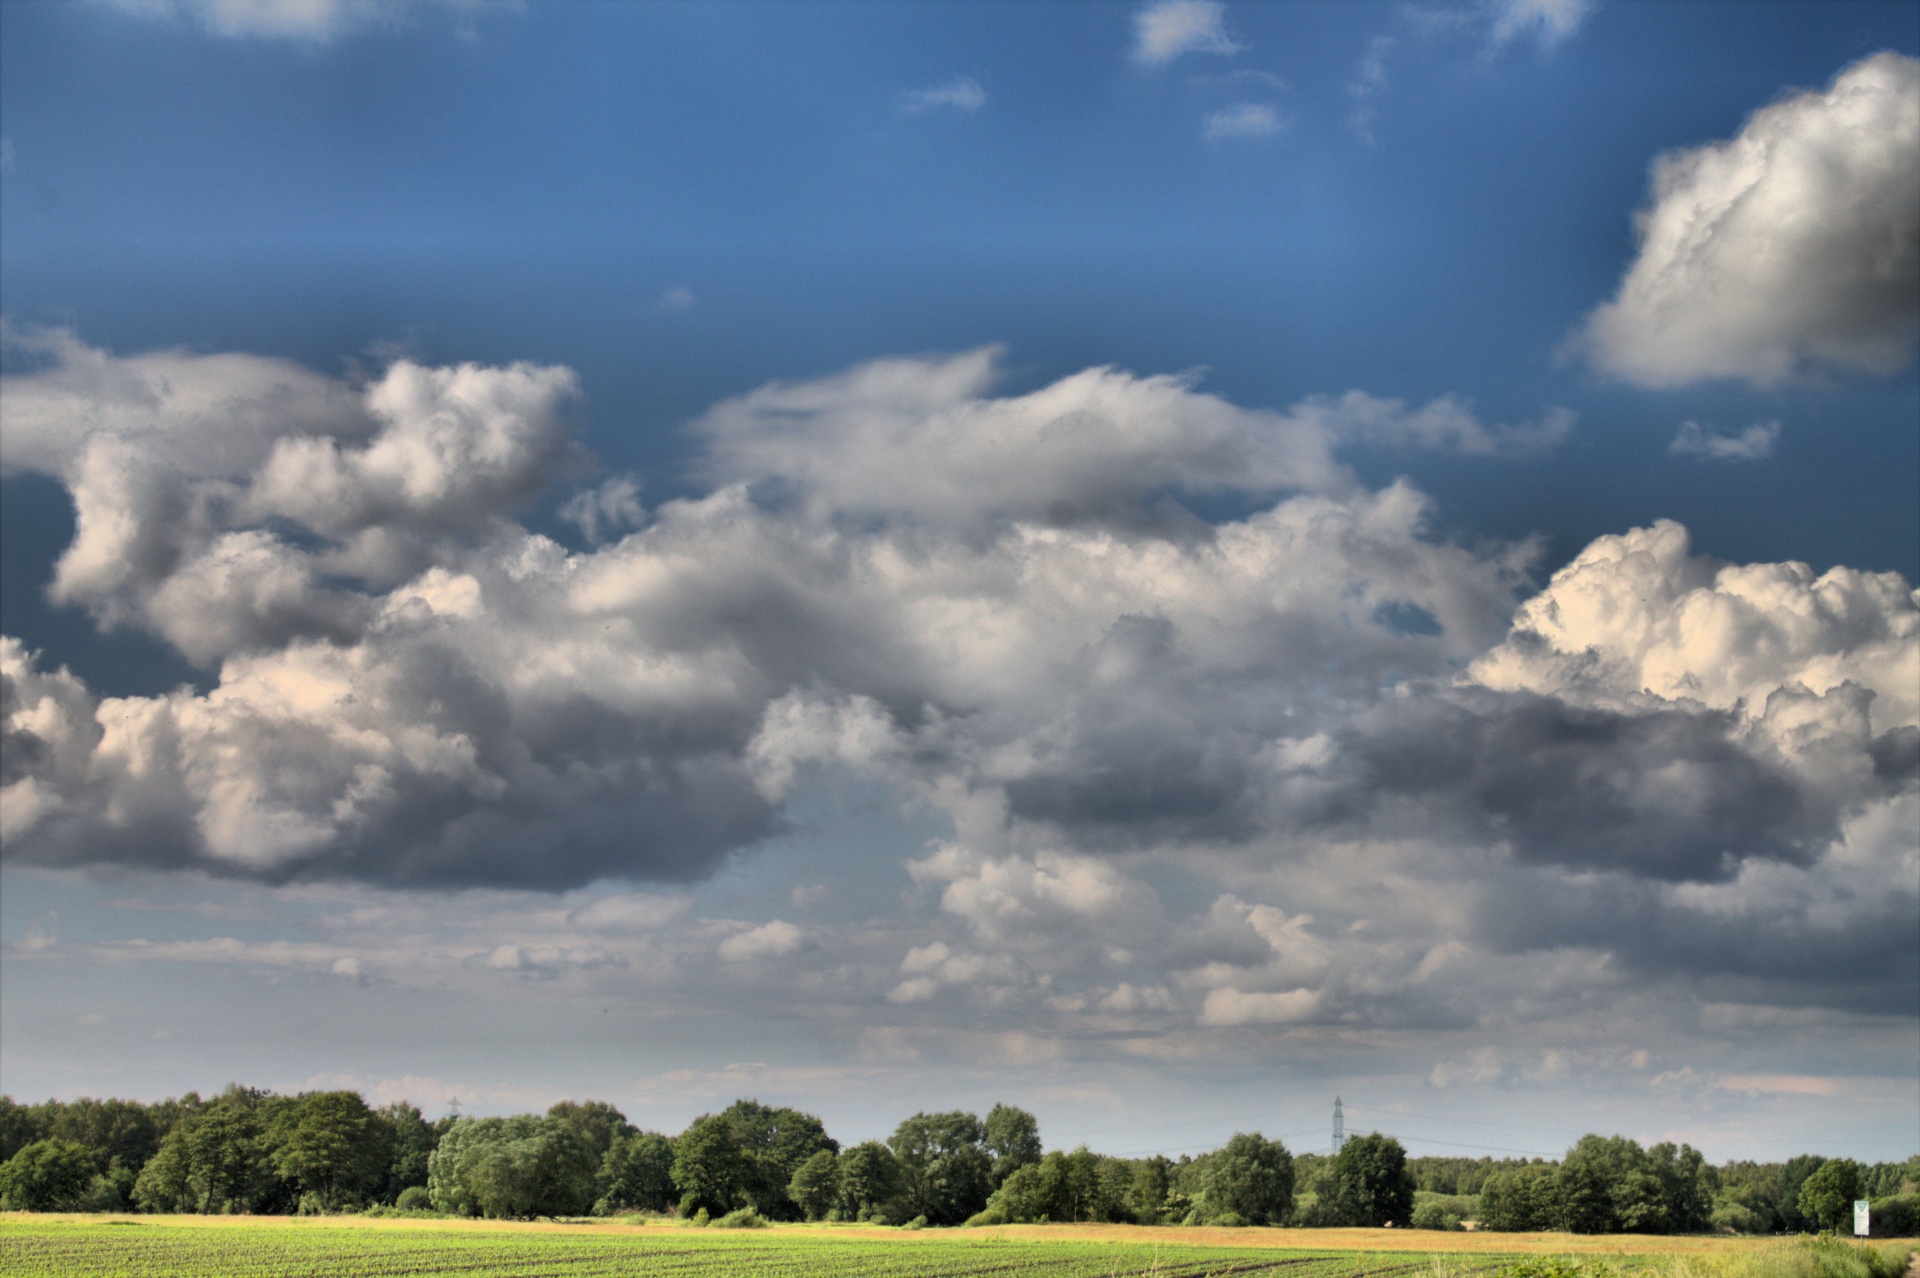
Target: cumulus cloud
(1243, 120)
(962, 94)
(1793, 247)
(1164, 31)
(1001, 609)
(1755, 443)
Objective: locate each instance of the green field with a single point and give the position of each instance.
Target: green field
(252, 1247)
(140, 1250)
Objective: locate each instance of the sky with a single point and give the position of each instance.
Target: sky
(1156, 563)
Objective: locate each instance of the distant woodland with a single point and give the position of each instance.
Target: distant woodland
(251, 1151)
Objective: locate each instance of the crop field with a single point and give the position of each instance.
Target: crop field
(197, 1247)
(110, 1249)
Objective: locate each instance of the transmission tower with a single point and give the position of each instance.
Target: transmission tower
(1339, 1126)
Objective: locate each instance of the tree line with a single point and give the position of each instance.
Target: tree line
(252, 1151)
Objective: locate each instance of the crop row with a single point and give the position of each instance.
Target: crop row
(111, 1251)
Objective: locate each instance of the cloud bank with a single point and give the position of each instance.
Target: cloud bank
(1792, 248)
(1002, 609)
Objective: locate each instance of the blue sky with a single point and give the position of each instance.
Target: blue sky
(662, 235)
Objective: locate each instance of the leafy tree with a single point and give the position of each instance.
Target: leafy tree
(410, 1140)
(948, 1172)
(1013, 1138)
(1827, 1195)
(1793, 1175)
(110, 1129)
(18, 1128)
(1523, 1200)
(815, 1187)
(637, 1175)
(1250, 1177)
(596, 1122)
(774, 1143)
(330, 1145)
(1368, 1183)
(511, 1168)
(1151, 1184)
(214, 1159)
(709, 1169)
(871, 1183)
(48, 1175)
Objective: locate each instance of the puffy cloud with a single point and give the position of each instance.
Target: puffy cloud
(1164, 31)
(1795, 246)
(1411, 795)
(770, 940)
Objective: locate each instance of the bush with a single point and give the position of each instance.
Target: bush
(742, 1218)
(1897, 1217)
(414, 1198)
(1736, 1218)
(918, 1222)
(1435, 1216)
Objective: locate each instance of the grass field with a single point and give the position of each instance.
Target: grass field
(256, 1247)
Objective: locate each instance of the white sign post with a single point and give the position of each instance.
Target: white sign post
(1860, 1222)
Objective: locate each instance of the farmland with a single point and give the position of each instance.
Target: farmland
(176, 1247)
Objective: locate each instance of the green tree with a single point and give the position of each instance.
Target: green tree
(774, 1142)
(1368, 1183)
(872, 1183)
(1523, 1200)
(637, 1175)
(1827, 1196)
(1793, 1174)
(1251, 1177)
(330, 1145)
(709, 1169)
(410, 1140)
(18, 1127)
(948, 1172)
(596, 1122)
(511, 1168)
(1013, 1139)
(815, 1187)
(1151, 1183)
(48, 1175)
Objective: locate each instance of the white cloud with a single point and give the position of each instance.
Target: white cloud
(1243, 120)
(770, 940)
(1237, 1007)
(962, 94)
(630, 912)
(1548, 21)
(677, 298)
(1794, 247)
(1170, 28)
(1751, 444)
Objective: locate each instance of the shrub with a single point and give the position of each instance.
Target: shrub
(1434, 1216)
(1897, 1217)
(742, 1218)
(414, 1198)
(918, 1222)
